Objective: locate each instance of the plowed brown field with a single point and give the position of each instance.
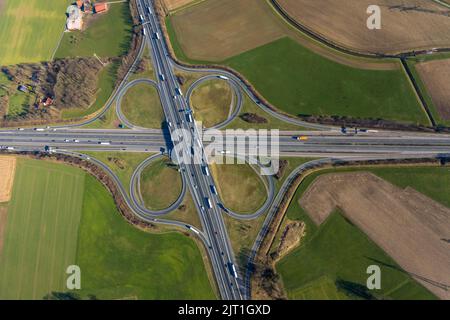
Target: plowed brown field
(405, 24)
(407, 225)
(7, 170)
(435, 75)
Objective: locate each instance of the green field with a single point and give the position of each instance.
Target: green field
(211, 102)
(120, 262)
(248, 106)
(296, 84)
(107, 35)
(60, 216)
(341, 253)
(108, 120)
(41, 231)
(320, 265)
(18, 104)
(160, 184)
(30, 29)
(122, 164)
(142, 107)
(239, 186)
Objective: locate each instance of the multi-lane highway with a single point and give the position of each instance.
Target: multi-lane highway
(186, 144)
(193, 165)
(147, 140)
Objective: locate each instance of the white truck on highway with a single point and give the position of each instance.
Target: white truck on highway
(193, 229)
(223, 78)
(206, 171)
(157, 36)
(178, 91)
(39, 129)
(161, 76)
(232, 269)
(105, 143)
(149, 10)
(208, 203)
(213, 189)
(189, 117)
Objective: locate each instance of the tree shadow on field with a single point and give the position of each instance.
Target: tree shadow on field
(128, 20)
(354, 290)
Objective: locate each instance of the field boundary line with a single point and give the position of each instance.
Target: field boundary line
(419, 96)
(58, 44)
(186, 6)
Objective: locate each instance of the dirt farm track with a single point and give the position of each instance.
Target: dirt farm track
(405, 24)
(410, 227)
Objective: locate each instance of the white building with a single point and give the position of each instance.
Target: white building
(74, 18)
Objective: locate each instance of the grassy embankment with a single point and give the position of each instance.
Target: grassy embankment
(211, 102)
(160, 184)
(142, 107)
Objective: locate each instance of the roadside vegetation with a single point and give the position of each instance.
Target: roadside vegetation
(144, 69)
(243, 233)
(142, 107)
(212, 102)
(108, 120)
(122, 164)
(160, 184)
(253, 117)
(239, 186)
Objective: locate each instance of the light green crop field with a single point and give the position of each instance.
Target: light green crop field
(60, 216)
(107, 35)
(337, 249)
(142, 107)
(296, 84)
(30, 29)
(41, 232)
(119, 261)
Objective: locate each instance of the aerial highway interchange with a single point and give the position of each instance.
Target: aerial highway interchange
(326, 142)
